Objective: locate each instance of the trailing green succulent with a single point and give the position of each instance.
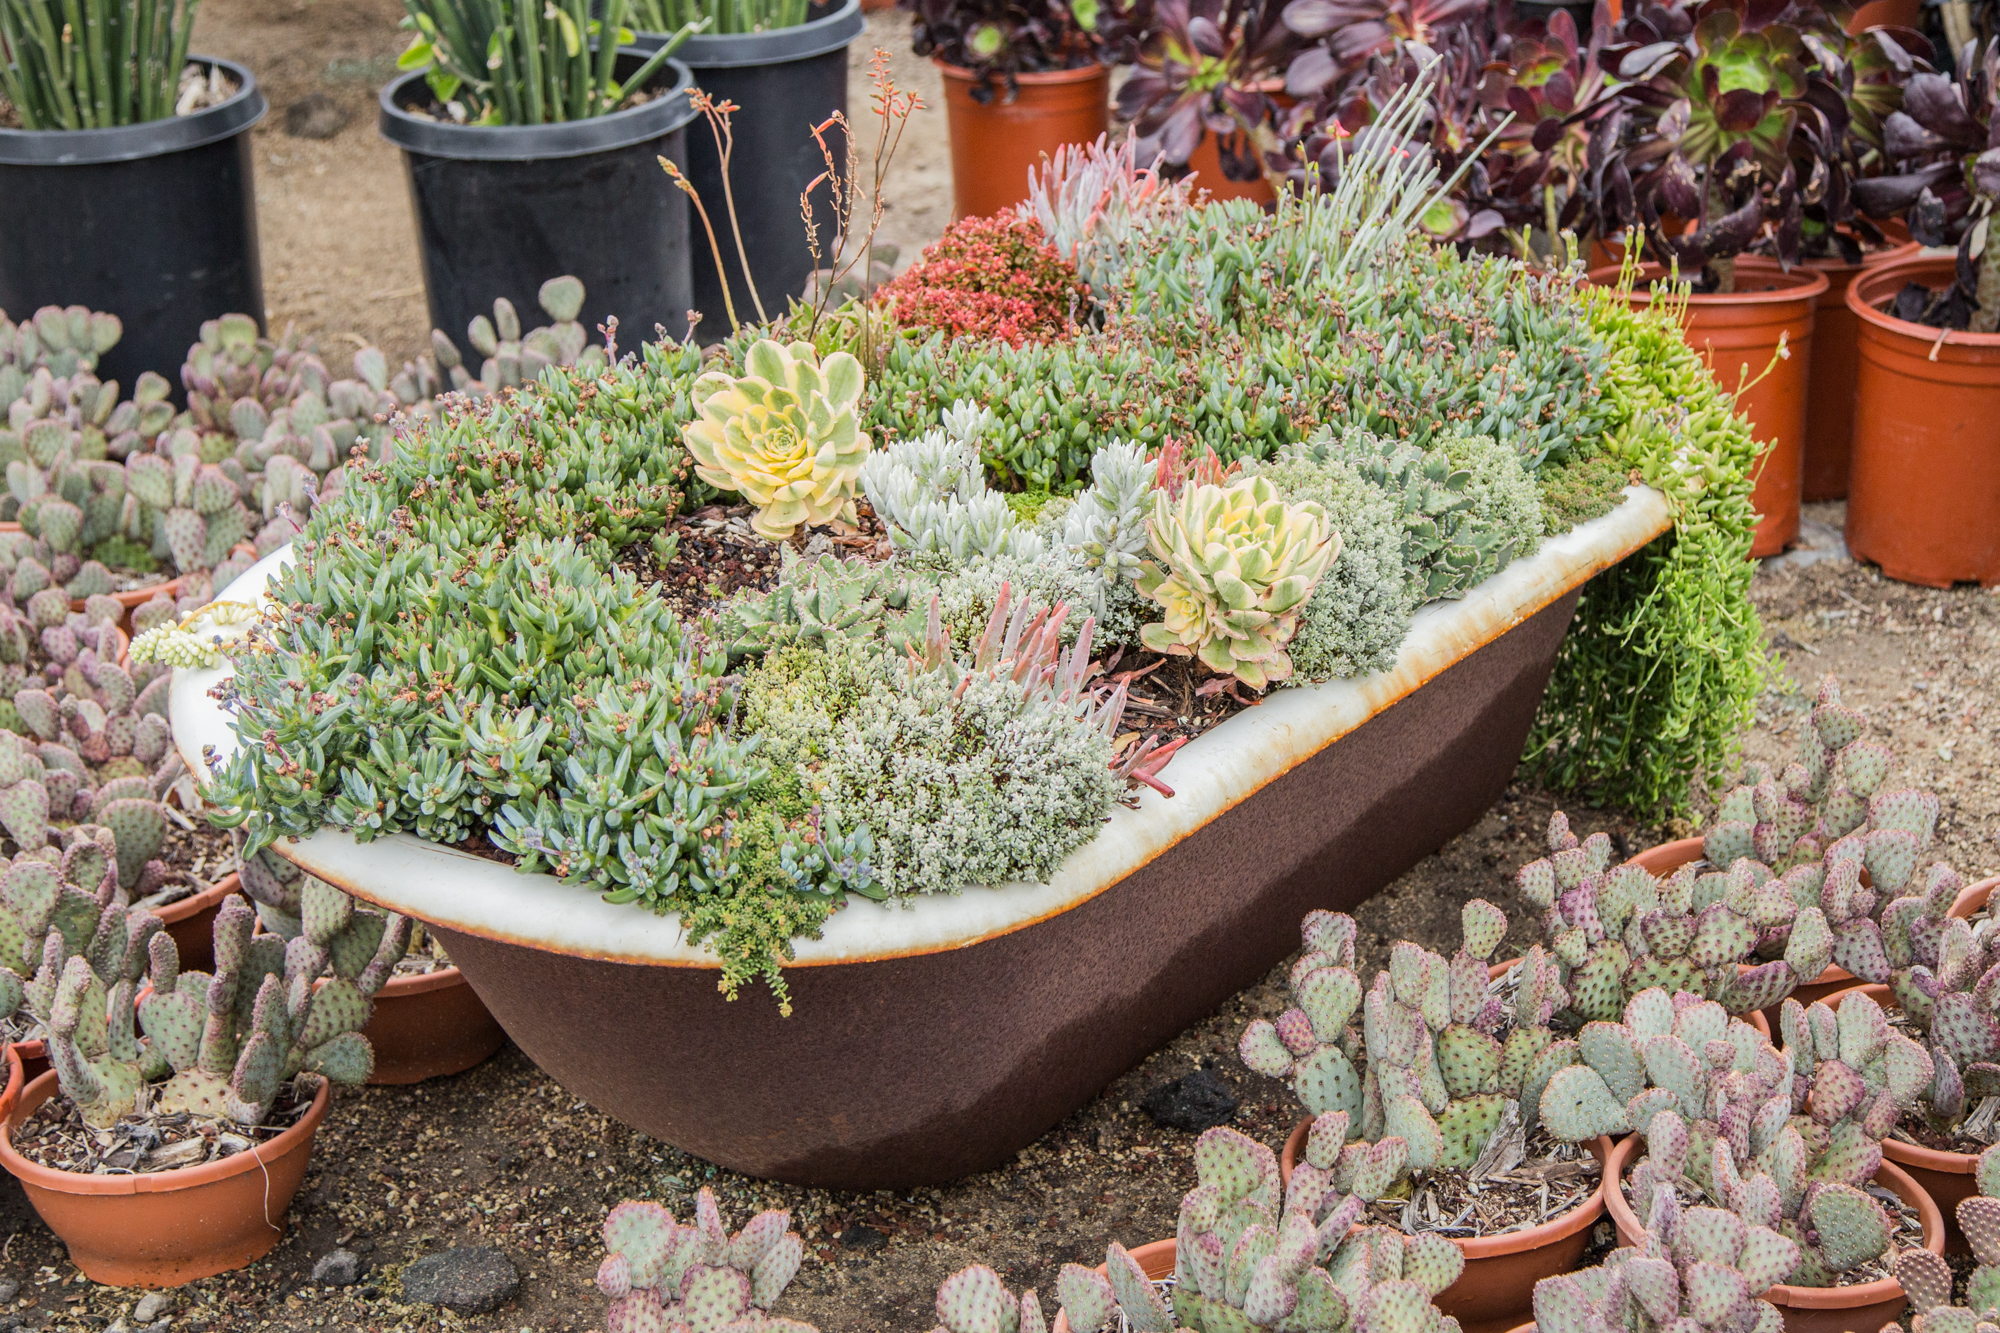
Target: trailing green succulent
(271, 1011)
(1231, 566)
(931, 493)
(784, 434)
(659, 1274)
(1698, 1270)
(1664, 662)
(816, 601)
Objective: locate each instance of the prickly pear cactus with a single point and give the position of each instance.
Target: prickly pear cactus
(272, 1010)
(1979, 1219)
(1664, 1056)
(1702, 1269)
(1619, 930)
(1927, 1280)
(661, 1275)
(1314, 1043)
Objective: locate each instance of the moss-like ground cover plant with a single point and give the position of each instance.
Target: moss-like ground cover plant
(1268, 441)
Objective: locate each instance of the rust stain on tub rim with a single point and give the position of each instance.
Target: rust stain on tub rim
(1434, 645)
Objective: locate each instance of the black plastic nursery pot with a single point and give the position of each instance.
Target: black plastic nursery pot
(784, 83)
(155, 223)
(501, 209)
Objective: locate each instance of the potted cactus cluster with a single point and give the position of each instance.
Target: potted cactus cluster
(806, 568)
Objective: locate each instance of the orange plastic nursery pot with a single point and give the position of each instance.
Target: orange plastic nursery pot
(1924, 490)
(1865, 1305)
(1836, 357)
(1206, 162)
(1497, 1287)
(12, 1090)
(172, 1227)
(1739, 333)
(994, 145)
(1886, 14)
(1155, 1260)
(429, 1026)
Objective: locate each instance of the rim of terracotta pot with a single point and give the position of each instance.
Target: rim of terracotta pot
(1094, 70)
(12, 1092)
(1881, 281)
(1156, 1259)
(196, 903)
(1586, 1212)
(134, 598)
(423, 983)
(1891, 253)
(156, 1182)
(1216, 772)
(1800, 283)
(1897, 1180)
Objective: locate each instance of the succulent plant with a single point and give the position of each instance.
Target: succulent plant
(1979, 1219)
(1096, 204)
(59, 340)
(1700, 1269)
(1242, 1263)
(1619, 930)
(1752, 1151)
(1313, 1042)
(931, 493)
(660, 1275)
(783, 434)
(976, 1300)
(820, 600)
(1927, 1280)
(1107, 525)
(56, 905)
(1231, 567)
(235, 1038)
(1665, 1056)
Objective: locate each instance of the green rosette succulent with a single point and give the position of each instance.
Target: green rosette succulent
(1233, 566)
(784, 434)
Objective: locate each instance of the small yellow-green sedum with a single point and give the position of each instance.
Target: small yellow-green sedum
(784, 435)
(1232, 566)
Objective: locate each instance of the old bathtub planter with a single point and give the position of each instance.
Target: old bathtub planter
(933, 1040)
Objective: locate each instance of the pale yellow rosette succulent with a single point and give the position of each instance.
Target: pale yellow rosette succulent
(1233, 565)
(784, 435)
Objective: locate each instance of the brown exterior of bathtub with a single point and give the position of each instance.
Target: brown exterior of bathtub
(923, 1068)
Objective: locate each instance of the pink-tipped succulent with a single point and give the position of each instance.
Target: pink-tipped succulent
(660, 1275)
(1695, 1271)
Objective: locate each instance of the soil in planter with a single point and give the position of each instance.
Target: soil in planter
(196, 859)
(56, 1137)
(426, 955)
(719, 556)
(1979, 1131)
(1548, 1179)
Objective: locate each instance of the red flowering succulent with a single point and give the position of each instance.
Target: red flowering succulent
(996, 278)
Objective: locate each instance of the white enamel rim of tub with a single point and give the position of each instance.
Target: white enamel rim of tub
(1209, 776)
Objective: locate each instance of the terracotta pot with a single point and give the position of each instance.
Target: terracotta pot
(996, 1035)
(1924, 495)
(1835, 361)
(1155, 1260)
(172, 1227)
(1206, 162)
(993, 146)
(191, 922)
(1738, 332)
(16, 1076)
(1866, 1305)
(429, 1026)
(134, 598)
(1498, 1285)
(1887, 14)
